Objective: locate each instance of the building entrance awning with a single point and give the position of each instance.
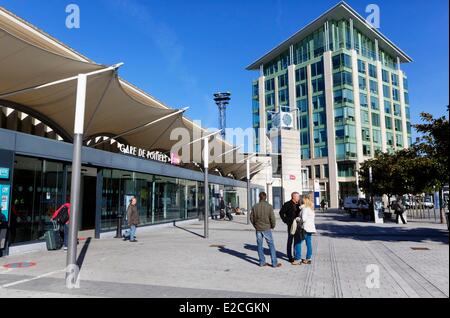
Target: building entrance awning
(38, 75)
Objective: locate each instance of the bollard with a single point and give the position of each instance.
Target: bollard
(119, 227)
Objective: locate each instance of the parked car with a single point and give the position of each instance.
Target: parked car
(410, 204)
(351, 204)
(364, 208)
(428, 205)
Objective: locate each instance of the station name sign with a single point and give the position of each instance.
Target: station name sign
(149, 155)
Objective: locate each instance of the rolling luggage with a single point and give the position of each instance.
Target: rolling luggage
(53, 238)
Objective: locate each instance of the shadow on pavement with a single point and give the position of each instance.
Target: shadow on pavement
(186, 230)
(240, 255)
(83, 252)
(379, 233)
(254, 248)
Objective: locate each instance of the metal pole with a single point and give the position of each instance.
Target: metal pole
(72, 268)
(206, 171)
(249, 194)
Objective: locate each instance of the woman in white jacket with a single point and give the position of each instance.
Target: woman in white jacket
(308, 218)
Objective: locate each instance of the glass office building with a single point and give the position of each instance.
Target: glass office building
(344, 81)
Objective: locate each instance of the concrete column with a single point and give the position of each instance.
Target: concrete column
(372, 145)
(333, 46)
(262, 115)
(331, 130)
(277, 100)
(391, 99)
(291, 160)
(381, 102)
(326, 37)
(352, 35)
(310, 110)
(403, 108)
(377, 51)
(292, 93)
(291, 55)
(359, 145)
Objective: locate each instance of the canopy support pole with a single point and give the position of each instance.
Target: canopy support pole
(249, 194)
(72, 268)
(206, 186)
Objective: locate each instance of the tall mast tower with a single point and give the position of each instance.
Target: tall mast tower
(222, 101)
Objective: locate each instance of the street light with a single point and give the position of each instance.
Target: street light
(249, 195)
(206, 181)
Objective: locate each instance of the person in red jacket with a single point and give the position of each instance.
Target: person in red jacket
(62, 217)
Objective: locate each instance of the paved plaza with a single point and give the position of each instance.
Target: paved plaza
(412, 261)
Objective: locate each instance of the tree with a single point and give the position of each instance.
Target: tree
(397, 174)
(434, 145)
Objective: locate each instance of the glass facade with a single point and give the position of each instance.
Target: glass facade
(348, 89)
(41, 186)
(160, 199)
(38, 190)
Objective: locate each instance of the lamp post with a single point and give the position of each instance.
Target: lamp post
(249, 194)
(206, 181)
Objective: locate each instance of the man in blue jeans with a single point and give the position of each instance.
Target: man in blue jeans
(263, 219)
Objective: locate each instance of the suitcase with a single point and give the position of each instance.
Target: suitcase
(53, 239)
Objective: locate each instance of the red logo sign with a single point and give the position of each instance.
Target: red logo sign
(292, 177)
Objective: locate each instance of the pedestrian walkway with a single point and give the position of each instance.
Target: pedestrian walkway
(412, 261)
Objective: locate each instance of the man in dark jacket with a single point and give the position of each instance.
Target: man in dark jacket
(133, 219)
(399, 209)
(263, 219)
(288, 213)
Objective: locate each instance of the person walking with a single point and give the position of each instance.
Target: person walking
(323, 205)
(399, 209)
(62, 217)
(263, 219)
(306, 231)
(229, 210)
(222, 208)
(288, 213)
(133, 220)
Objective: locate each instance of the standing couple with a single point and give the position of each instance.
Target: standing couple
(299, 216)
(300, 220)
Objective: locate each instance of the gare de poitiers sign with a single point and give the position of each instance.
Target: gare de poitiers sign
(174, 159)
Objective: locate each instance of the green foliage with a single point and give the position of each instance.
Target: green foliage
(411, 171)
(434, 144)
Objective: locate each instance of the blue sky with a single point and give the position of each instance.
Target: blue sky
(183, 51)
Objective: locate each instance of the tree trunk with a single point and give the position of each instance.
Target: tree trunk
(389, 203)
(441, 208)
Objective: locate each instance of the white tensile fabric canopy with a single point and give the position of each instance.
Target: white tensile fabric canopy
(30, 60)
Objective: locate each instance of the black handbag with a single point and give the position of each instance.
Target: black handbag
(301, 233)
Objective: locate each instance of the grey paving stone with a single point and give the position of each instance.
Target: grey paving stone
(177, 262)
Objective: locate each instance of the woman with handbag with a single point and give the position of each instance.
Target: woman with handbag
(306, 227)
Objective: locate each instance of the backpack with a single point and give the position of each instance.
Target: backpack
(63, 216)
